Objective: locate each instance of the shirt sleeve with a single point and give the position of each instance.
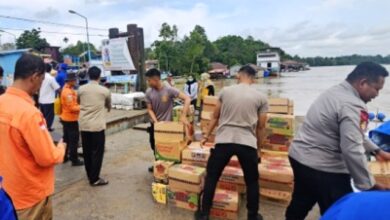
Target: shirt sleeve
(263, 105)
(351, 145)
(40, 143)
(220, 95)
(54, 84)
(173, 92)
(147, 97)
(369, 145)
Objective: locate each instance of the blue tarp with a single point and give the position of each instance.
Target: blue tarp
(381, 136)
(360, 206)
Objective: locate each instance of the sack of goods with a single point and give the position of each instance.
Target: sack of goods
(159, 192)
(281, 106)
(225, 205)
(380, 171)
(276, 178)
(160, 170)
(186, 177)
(185, 184)
(178, 110)
(279, 132)
(170, 140)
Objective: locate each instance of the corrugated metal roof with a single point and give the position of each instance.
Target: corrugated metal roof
(5, 52)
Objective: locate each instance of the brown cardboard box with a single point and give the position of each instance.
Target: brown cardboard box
(207, 115)
(275, 194)
(169, 132)
(223, 214)
(231, 187)
(170, 151)
(278, 101)
(210, 100)
(234, 162)
(276, 160)
(233, 175)
(276, 173)
(380, 171)
(281, 106)
(280, 124)
(196, 156)
(186, 177)
(266, 184)
(279, 109)
(183, 199)
(226, 200)
(277, 142)
(160, 170)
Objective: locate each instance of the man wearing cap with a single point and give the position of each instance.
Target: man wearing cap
(170, 82)
(69, 119)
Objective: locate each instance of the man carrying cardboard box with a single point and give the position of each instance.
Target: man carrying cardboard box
(330, 146)
(241, 113)
(159, 100)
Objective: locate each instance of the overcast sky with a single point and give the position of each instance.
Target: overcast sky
(302, 27)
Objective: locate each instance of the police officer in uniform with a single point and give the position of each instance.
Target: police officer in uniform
(330, 147)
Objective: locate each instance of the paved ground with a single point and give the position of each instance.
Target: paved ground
(128, 196)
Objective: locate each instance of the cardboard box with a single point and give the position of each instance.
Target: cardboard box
(207, 115)
(273, 153)
(223, 214)
(276, 173)
(206, 146)
(275, 194)
(183, 199)
(234, 162)
(279, 109)
(160, 170)
(233, 175)
(277, 142)
(266, 184)
(226, 200)
(159, 192)
(210, 100)
(278, 101)
(187, 177)
(196, 156)
(169, 132)
(170, 151)
(380, 171)
(280, 124)
(275, 160)
(231, 187)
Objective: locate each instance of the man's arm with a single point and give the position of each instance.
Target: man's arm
(353, 152)
(40, 143)
(108, 102)
(151, 113)
(213, 122)
(187, 103)
(260, 129)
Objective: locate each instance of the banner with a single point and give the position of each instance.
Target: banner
(116, 55)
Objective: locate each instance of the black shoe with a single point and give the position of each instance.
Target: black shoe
(201, 216)
(151, 169)
(258, 217)
(77, 163)
(100, 182)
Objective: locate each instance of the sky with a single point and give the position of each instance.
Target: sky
(302, 27)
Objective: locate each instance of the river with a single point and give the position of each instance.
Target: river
(304, 87)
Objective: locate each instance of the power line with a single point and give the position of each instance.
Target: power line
(54, 32)
(49, 22)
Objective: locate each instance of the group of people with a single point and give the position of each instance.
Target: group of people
(28, 153)
(328, 151)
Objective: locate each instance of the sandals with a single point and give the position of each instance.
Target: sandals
(100, 182)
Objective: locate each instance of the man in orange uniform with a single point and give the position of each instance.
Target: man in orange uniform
(27, 152)
(69, 119)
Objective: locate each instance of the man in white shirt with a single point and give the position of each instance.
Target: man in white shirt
(47, 96)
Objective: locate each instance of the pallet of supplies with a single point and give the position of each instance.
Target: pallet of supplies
(281, 106)
(380, 171)
(195, 156)
(187, 177)
(183, 199)
(160, 170)
(159, 192)
(225, 205)
(280, 124)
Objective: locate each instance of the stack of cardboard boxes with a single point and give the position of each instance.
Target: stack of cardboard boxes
(380, 171)
(209, 105)
(276, 177)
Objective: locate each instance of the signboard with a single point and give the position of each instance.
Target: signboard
(132, 79)
(116, 55)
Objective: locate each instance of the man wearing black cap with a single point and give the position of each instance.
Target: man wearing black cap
(69, 118)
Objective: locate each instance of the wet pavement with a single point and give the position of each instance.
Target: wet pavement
(128, 196)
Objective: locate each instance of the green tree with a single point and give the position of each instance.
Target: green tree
(166, 49)
(80, 49)
(32, 39)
